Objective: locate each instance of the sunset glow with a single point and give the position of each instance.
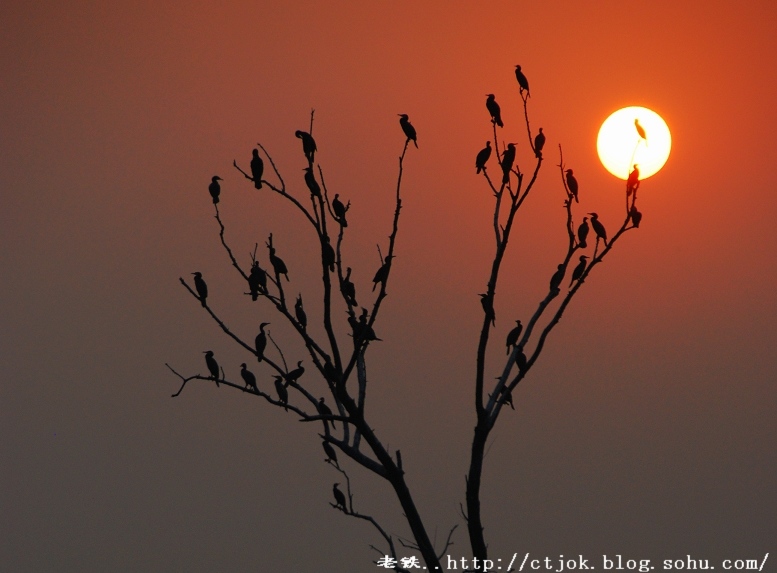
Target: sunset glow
(620, 145)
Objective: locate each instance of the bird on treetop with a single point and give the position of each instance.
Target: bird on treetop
(408, 129)
(494, 110)
(308, 144)
(483, 157)
(572, 184)
(632, 183)
(539, 143)
(382, 275)
(340, 210)
(522, 81)
(636, 216)
(215, 188)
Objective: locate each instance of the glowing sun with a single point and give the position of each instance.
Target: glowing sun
(634, 135)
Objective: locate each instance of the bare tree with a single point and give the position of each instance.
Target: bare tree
(341, 363)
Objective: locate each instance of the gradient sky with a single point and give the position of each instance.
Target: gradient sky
(648, 427)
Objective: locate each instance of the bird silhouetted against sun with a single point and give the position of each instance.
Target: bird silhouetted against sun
(634, 136)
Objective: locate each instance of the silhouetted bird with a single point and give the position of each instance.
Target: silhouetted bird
(636, 216)
(579, 269)
(522, 81)
(632, 183)
(339, 497)
(295, 374)
(339, 210)
(539, 143)
(331, 455)
(257, 279)
(310, 181)
(348, 289)
(330, 372)
(215, 188)
(601, 232)
(260, 342)
(257, 169)
(512, 336)
(520, 359)
(582, 233)
(308, 144)
(508, 158)
(483, 157)
(558, 276)
(507, 397)
(200, 287)
(572, 184)
(408, 129)
(283, 393)
(488, 307)
(494, 110)
(213, 366)
(365, 331)
(382, 275)
(277, 264)
(299, 312)
(248, 377)
(324, 410)
(640, 130)
(328, 255)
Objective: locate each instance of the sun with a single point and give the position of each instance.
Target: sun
(634, 136)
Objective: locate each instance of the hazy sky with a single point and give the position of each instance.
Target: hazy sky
(648, 427)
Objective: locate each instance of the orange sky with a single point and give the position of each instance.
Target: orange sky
(646, 429)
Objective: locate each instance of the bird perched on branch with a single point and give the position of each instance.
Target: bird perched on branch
(277, 263)
(383, 272)
(512, 336)
(408, 129)
(257, 169)
(324, 410)
(363, 329)
(299, 312)
(508, 158)
(200, 287)
(539, 143)
(582, 233)
(248, 377)
(640, 130)
(520, 359)
(213, 366)
(507, 397)
(632, 183)
(601, 232)
(215, 188)
(339, 497)
(339, 210)
(579, 269)
(257, 279)
(522, 81)
(283, 393)
(328, 254)
(310, 181)
(636, 216)
(558, 276)
(308, 144)
(296, 374)
(348, 289)
(572, 184)
(487, 302)
(494, 109)
(260, 342)
(331, 455)
(483, 157)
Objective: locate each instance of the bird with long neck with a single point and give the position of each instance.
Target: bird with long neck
(408, 129)
(260, 343)
(213, 366)
(601, 232)
(214, 188)
(539, 143)
(572, 184)
(248, 377)
(257, 169)
(579, 269)
(494, 110)
(508, 158)
(522, 81)
(483, 157)
(582, 233)
(308, 144)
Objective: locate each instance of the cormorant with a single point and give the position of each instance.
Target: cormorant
(558, 276)
(257, 279)
(215, 188)
(261, 341)
(330, 372)
(201, 287)
(295, 374)
(310, 181)
(382, 275)
(512, 336)
(522, 81)
(632, 183)
(488, 307)
(330, 454)
(408, 129)
(302, 318)
(324, 410)
(328, 254)
(494, 110)
(520, 359)
(483, 157)
(508, 158)
(599, 229)
(572, 184)
(365, 330)
(339, 210)
(277, 264)
(339, 497)
(348, 289)
(582, 233)
(308, 144)
(539, 143)
(640, 130)
(283, 393)
(579, 269)
(635, 215)
(257, 169)
(213, 366)
(507, 397)
(248, 377)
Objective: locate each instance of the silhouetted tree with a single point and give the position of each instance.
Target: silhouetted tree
(341, 364)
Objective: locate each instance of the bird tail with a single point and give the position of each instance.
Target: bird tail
(500, 123)
(258, 184)
(583, 244)
(202, 301)
(215, 200)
